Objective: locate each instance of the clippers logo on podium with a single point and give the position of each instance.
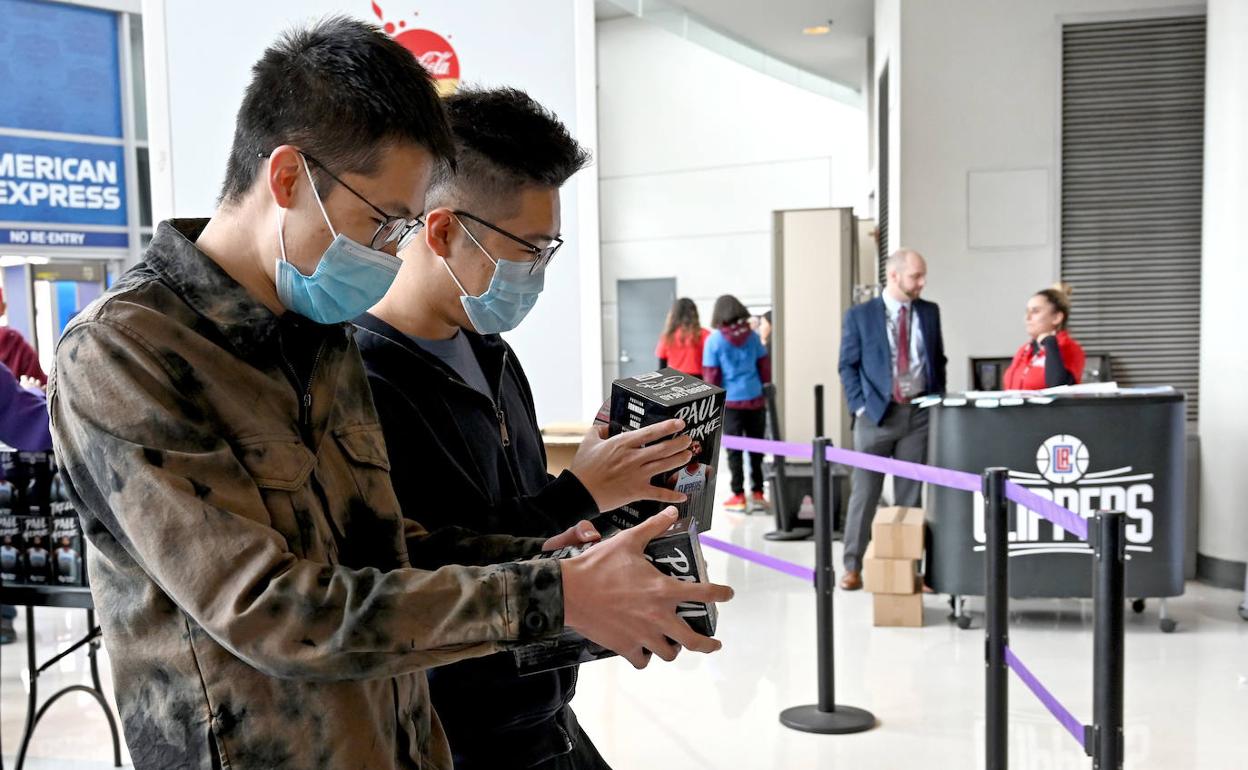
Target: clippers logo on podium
(1062, 459)
(1064, 463)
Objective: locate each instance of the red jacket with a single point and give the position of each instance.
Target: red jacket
(19, 356)
(684, 353)
(1058, 361)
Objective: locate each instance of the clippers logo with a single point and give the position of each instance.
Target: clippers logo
(1065, 477)
(1062, 459)
(433, 51)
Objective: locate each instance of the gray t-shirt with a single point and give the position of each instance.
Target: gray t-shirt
(457, 353)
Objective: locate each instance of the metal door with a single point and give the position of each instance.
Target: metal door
(643, 306)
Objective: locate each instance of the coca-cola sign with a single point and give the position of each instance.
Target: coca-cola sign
(433, 51)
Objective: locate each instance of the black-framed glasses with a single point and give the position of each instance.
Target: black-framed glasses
(541, 256)
(393, 229)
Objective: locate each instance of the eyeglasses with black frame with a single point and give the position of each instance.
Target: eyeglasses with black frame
(541, 256)
(393, 229)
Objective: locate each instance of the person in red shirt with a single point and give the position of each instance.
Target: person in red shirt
(16, 353)
(681, 345)
(1051, 357)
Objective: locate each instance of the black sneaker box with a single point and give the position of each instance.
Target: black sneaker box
(637, 402)
(37, 558)
(67, 553)
(677, 552)
(12, 546)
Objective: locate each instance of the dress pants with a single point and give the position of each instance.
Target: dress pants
(902, 436)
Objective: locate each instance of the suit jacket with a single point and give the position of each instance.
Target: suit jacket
(866, 364)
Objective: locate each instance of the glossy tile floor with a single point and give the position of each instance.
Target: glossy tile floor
(1187, 692)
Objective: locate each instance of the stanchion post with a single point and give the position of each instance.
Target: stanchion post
(996, 618)
(1108, 591)
(825, 716)
(825, 573)
(818, 410)
(786, 529)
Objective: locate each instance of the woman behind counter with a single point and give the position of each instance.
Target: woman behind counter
(1051, 357)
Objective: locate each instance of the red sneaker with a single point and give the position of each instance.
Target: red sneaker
(758, 502)
(736, 504)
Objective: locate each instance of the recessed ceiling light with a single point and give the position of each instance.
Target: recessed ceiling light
(818, 29)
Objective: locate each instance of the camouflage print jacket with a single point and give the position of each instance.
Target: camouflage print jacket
(251, 565)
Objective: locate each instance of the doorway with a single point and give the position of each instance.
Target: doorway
(643, 306)
(44, 295)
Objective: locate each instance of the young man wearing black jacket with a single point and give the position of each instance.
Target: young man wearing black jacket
(458, 415)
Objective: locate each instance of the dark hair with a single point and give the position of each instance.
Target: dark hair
(683, 317)
(341, 90)
(504, 141)
(1059, 296)
(728, 311)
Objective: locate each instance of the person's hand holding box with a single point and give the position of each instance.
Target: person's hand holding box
(614, 597)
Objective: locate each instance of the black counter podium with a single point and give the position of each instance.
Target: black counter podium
(1087, 453)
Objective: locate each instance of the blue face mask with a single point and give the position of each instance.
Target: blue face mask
(512, 293)
(349, 279)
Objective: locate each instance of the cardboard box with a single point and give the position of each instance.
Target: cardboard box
(889, 576)
(897, 533)
(677, 552)
(67, 553)
(562, 440)
(637, 402)
(905, 610)
(37, 557)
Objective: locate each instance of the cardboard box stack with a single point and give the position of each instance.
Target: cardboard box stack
(890, 569)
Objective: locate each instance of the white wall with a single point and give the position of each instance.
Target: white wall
(695, 152)
(199, 56)
(888, 52)
(979, 92)
(1223, 369)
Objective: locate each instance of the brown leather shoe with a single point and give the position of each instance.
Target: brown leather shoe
(852, 581)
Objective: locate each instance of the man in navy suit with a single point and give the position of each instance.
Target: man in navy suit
(891, 352)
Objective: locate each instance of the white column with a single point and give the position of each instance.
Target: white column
(1224, 274)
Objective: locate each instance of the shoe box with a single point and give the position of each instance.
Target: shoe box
(677, 552)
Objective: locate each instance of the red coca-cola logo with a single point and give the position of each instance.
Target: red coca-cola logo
(434, 52)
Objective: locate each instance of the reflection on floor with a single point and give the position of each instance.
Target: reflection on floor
(1187, 692)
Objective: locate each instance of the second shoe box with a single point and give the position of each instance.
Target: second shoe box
(637, 402)
(677, 552)
(888, 576)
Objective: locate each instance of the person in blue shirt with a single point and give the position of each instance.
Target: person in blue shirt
(736, 360)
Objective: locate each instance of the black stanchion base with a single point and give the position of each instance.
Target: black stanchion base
(797, 533)
(845, 719)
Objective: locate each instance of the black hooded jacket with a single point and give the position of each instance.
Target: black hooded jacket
(459, 458)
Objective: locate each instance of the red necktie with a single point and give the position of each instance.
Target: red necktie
(903, 353)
